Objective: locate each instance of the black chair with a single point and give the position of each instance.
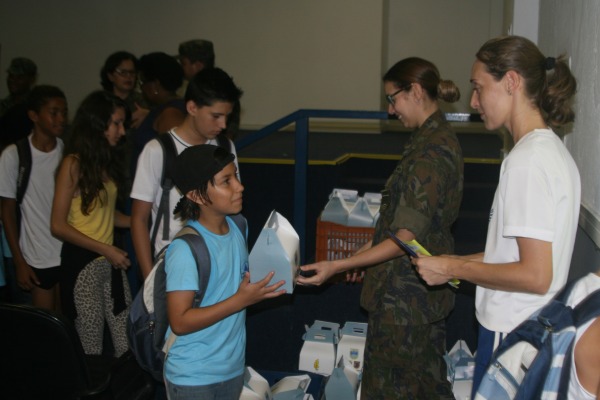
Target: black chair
(42, 358)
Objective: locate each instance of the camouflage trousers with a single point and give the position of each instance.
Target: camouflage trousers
(405, 362)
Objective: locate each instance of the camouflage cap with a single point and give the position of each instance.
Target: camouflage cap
(22, 66)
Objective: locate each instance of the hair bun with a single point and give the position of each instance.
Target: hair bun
(549, 63)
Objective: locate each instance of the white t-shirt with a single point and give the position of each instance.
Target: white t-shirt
(40, 249)
(146, 185)
(538, 197)
(582, 289)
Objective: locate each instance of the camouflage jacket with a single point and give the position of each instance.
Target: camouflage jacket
(423, 195)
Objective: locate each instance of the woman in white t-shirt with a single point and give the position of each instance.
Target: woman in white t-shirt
(534, 215)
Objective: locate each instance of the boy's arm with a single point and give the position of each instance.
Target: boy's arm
(140, 234)
(183, 318)
(26, 278)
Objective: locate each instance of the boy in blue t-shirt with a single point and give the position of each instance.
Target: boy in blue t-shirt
(207, 358)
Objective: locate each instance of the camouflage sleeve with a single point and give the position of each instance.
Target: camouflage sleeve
(423, 188)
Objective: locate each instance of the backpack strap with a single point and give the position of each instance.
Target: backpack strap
(24, 153)
(166, 184)
(201, 255)
(587, 309)
(199, 249)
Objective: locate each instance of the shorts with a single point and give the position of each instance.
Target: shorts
(48, 277)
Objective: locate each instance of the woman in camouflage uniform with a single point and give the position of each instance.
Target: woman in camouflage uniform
(406, 334)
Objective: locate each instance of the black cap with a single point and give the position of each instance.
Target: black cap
(199, 164)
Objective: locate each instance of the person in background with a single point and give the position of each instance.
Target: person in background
(94, 288)
(160, 75)
(14, 121)
(119, 76)
(196, 55)
(206, 360)
(22, 74)
(209, 100)
(535, 211)
(35, 252)
(406, 339)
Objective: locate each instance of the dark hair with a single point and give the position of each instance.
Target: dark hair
(163, 68)
(548, 81)
(425, 73)
(188, 209)
(210, 85)
(96, 157)
(40, 95)
(111, 64)
(198, 50)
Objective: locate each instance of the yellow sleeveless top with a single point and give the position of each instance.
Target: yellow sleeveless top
(100, 222)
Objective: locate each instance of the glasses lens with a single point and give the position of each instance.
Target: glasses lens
(390, 97)
(125, 72)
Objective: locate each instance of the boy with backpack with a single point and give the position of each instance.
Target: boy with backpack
(27, 171)
(206, 358)
(210, 97)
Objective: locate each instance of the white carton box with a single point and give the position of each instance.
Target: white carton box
(343, 382)
(318, 352)
(352, 344)
(460, 365)
(327, 326)
(276, 249)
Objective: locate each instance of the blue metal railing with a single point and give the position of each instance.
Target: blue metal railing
(301, 119)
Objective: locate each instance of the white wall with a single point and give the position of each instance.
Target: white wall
(284, 54)
(572, 28)
(525, 19)
(447, 33)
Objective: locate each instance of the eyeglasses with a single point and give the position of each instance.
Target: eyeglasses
(125, 72)
(390, 97)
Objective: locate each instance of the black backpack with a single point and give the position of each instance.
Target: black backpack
(25, 162)
(147, 322)
(167, 143)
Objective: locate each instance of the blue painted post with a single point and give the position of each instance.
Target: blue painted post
(300, 180)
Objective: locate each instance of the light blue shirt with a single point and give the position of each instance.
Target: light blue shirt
(215, 353)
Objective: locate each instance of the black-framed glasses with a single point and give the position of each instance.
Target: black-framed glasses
(126, 72)
(390, 97)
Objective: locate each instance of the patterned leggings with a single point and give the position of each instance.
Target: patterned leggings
(93, 301)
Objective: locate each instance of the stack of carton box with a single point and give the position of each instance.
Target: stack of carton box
(338, 354)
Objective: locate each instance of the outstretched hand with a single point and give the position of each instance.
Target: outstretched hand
(315, 274)
(252, 293)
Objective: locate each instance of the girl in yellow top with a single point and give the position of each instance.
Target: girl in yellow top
(94, 287)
